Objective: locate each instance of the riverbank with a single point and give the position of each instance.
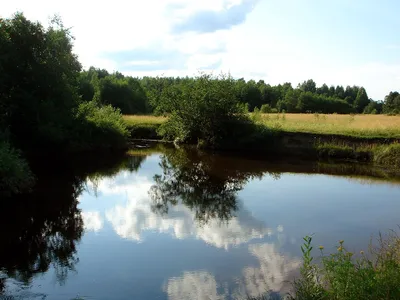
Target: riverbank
(336, 137)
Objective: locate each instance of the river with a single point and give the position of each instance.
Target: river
(166, 223)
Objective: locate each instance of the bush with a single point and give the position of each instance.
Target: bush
(204, 109)
(265, 109)
(345, 152)
(274, 111)
(99, 127)
(15, 175)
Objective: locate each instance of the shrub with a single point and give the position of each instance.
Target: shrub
(265, 109)
(99, 127)
(205, 109)
(15, 175)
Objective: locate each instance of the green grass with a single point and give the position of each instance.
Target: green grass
(388, 155)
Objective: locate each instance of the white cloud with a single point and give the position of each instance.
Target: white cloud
(198, 285)
(132, 219)
(273, 274)
(220, 35)
(92, 220)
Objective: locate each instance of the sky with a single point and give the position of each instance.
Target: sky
(337, 42)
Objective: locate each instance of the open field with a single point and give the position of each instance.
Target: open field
(351, 125)
(143, 120)
(368, 126)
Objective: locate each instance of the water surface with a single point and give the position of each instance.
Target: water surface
(181, 224)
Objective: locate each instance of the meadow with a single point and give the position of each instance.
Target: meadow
(368, 126)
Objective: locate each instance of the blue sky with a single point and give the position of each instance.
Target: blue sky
(334, 42)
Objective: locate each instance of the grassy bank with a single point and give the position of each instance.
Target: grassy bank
(366, 138)
(343, 275)
(143, 127)
(364, 126)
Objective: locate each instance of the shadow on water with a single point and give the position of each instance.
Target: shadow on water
(41, 230)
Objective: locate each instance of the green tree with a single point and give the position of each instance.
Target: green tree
(339, 92)
(372, 108)
(308, 86)
(392, 103)
(205, 109)
(123, 93)
(40, 102)
(39, 79)
(323, 90)
(361, 101)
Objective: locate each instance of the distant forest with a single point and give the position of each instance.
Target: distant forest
(142, 95)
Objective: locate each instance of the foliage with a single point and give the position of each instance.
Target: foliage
(15, 175)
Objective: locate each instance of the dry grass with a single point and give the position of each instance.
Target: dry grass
(351, 125)
(143, 120)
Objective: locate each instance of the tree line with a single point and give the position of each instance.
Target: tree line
(133, 95)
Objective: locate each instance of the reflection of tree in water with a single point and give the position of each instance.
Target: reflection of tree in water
(205, 183)
(41, 230)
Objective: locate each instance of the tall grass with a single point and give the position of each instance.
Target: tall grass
(340, 276)
(381, 154)
(369, 126)
(344, 275)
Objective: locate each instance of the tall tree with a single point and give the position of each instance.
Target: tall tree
(308, 86)
(392, 103)
(361, 101)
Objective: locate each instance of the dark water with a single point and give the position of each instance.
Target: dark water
(182, 224)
